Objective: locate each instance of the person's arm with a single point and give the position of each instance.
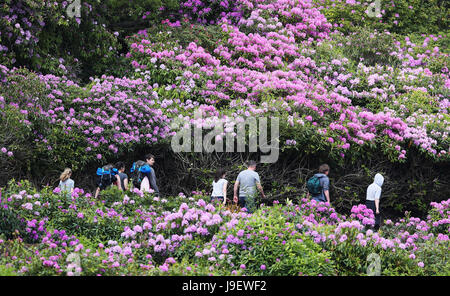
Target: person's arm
(125, 183)
(224, 190)
(326, 188)
(327, 195)
(236, 186)
(153, 181)
(377, 201)
(377, 206)
(307, 194)
(97, 192)
(258, 185)
(119, 184)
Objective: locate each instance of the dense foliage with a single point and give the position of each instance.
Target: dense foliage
(135, 234)
(364, 93)
(358, 93)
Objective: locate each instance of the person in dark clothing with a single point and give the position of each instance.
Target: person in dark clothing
(122, 178)
(149, 172)
(105, 178)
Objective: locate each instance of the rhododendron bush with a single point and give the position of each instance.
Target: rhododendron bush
(399, 16)
(261, 65)
(365, 94)
(42, 36)
(139, 234)
(260, 84)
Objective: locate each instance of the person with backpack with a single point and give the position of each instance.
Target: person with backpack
(106, 176)
(143, 174)
(319, 185)
(66, 184)
(248, 181)
(219, 184)
(149, 172)
(122, 178)
(373, 195)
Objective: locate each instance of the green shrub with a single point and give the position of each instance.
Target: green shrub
(370, 47)
(403, 16)
(7, 271)
(271, 246)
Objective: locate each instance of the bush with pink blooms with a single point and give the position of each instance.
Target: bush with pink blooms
(141, 234)
(358, 92)
(367, 96)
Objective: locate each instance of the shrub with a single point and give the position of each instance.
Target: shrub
(370, 47)
(266, 244)
(402, 16)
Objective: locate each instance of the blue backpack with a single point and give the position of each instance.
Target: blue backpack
(139, 170)
(314, 186)
(106, 176)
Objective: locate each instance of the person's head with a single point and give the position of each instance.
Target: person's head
(150, 159)
(120, 166)
(324, 169)
(66, 174)
(251, 165)
(108, 167)
(220, 174)
(379, 180)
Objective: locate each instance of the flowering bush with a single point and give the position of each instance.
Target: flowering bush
(43, 37)
(140, 234)
(265, 244)
(85, 126)
(272, 68)
(403, 16)
(351, 96)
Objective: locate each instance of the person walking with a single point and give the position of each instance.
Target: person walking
(373, 198)
(122, 178)
(319, 185)
(149, 173)
(66, 184)
(105, 178)
(219, 184)
(248, 181)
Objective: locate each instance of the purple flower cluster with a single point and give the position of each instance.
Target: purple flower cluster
(269, 52)
(151, 239)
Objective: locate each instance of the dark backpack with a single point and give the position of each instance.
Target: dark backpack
(106, 176)
(136, 174)
(314, 186)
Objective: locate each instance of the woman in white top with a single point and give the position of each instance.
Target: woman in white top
(219, 192)
(66, 184)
